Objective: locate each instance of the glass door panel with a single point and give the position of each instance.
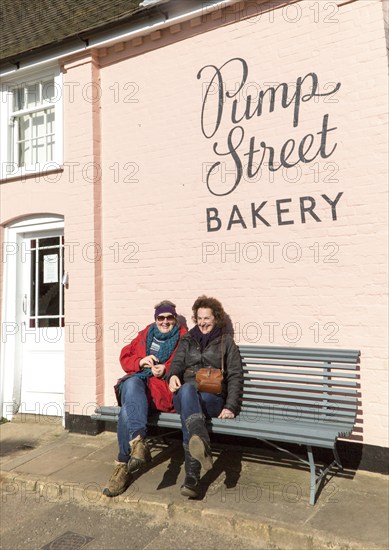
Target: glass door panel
(46, 288)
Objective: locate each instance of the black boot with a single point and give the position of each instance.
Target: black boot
(199, 442)
(191, 485)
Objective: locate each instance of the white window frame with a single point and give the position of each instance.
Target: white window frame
(8, 166)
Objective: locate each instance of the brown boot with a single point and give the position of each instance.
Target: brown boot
(119, 481)
(140, 454)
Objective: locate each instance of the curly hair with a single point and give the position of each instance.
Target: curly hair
(213, 304)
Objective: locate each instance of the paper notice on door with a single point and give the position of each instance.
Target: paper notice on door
(50, 268)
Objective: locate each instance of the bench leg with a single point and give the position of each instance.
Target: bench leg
(336, 456)
(313, 475)
(322, 473)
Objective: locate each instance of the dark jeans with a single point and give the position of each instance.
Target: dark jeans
(187, 401)
(133, 414)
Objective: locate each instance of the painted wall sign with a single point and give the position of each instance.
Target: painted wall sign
(246, 155)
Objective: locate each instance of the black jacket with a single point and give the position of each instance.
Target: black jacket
(188, 359)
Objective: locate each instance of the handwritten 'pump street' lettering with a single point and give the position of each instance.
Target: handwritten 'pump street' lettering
(299, 153)
(252, 107)
(245, 155)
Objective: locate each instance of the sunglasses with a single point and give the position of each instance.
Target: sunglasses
(168, 318)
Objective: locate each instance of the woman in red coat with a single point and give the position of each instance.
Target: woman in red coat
(147, 362)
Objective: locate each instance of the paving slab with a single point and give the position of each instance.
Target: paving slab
(17, 439)
(354, 509)
(56, 459)
(260, 494)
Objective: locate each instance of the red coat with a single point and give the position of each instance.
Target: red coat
(158, 389)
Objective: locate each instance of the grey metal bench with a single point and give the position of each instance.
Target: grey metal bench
(302, 396)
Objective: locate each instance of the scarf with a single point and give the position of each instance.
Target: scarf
(166, 340)
(204, 339)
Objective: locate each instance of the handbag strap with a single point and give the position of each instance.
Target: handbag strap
(222, 352)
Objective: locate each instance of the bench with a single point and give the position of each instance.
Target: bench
(302, 396)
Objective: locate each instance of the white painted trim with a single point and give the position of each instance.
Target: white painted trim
(33, 221)
(6, 161)
(10, 364)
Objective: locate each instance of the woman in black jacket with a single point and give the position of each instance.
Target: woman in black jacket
(205, 345)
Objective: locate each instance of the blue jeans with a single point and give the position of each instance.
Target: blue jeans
(133, 414)
(187, 401)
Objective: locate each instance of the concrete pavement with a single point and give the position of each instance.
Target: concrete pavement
(252, 492)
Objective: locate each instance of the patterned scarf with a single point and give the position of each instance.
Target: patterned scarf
(167, 341)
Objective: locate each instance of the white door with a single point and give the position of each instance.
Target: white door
(41, 312)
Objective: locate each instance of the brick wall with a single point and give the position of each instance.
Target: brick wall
(317, 283)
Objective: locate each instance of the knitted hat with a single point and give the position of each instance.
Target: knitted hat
(165, 309)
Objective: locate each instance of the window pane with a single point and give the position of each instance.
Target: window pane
(38, 124)
(32, 283)
(44, 323)
(49, 241)
(50, 148)
(50, 121)
(48, 90)
(24, 153)
(49, 282)
(24, 127)
(18, 99)
(50, 128)
(61, 285)
(32, 95)
(38, 151)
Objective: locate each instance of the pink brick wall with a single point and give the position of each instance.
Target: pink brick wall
(83, 352)
(155, 197)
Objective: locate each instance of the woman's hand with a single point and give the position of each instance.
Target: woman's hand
(226, 413)
(148, 361)
(158, 370)
(174, 383)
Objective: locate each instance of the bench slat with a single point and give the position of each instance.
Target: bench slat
(259, 391)
(341, 416)
(308, 383)
(317, 381)
(317, 353)
(320, 429)
(253, 363)
(298, 361)
(290, 350)
(266, 399)
(307, 434)
(316, 428)
(318, 372)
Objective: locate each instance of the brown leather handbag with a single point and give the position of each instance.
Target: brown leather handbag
(210, 379)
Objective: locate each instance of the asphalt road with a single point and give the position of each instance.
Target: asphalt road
(31, 522)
